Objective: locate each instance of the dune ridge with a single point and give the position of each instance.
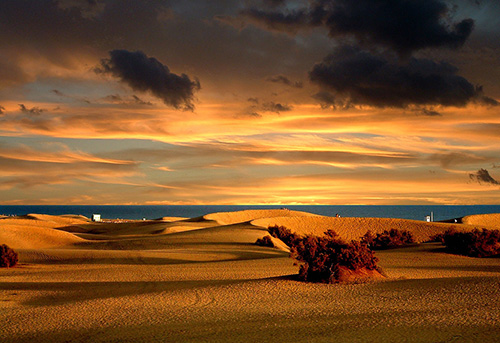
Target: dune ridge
(354, 228)
(491, 220)
(37, 231)
(227, 218)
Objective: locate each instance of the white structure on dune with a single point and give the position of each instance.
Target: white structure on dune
(96, 217)
(430, 218)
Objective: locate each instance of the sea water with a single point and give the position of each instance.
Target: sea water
(416, 212)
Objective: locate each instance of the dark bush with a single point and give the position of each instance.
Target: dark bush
(284, 234)
(8, 257)
(439, 237)
(265, 241)
(388, 239)
(324, 257)
(476, 243)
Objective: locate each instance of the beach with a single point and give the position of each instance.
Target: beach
(204, 280)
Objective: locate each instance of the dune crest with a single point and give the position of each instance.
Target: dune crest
(34, 234)
(172, 219)
(491, 220)
(228, 218)
(354, 228)
(66, 219)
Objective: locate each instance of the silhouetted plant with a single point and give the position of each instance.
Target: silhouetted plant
(388, 239)
(476, 243)
(439, 237)
(323, 257)
(8, 257)
(265, 241)
(283, 233)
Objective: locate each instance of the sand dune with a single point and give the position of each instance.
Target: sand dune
(59, 220)
(36, 232)
(354, 228)
(172, 219)
(491, 221)
(226, 218)
(203, 279)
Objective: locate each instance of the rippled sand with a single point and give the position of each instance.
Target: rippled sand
(202, 279)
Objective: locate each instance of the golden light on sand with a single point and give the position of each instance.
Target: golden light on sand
(185, 280)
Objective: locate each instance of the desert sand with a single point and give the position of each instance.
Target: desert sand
(203, 280)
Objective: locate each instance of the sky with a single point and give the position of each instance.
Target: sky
(367, 102)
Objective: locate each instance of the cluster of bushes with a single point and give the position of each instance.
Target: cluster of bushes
(476, 243)
(265, 241)
(8, 257)
(388, 239)
(323, 258)
(281, 232)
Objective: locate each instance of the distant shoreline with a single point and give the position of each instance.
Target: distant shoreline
(138, 212)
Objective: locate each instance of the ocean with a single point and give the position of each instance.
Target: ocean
(416, 212)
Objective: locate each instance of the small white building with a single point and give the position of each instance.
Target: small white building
(430, 218)
(96, 217)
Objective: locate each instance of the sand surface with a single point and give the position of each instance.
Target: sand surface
(203, 280)
(488, 221)
(354, 228)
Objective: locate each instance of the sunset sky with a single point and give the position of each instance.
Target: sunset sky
(250, 102)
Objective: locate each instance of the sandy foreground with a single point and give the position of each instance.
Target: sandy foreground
(203, 280)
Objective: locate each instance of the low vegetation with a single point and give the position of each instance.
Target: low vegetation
(437, 238)
(476, 243)
(283, 233)
(388, 239)
(327, 258)
(265, 241)
(8, 257)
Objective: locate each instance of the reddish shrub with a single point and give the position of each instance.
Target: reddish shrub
(284, 234)
(323, 257)
(265, 241)
(388, 239)
(8, 257)
(476, 243)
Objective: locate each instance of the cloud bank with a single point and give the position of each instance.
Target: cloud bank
(402, 25)
(374, 41)
(365, 78)
(147, 74)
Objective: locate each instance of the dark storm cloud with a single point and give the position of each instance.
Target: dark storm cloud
(363, 78)
(145, 73)
(285, 80)
(276, 107)
(483, 176)
(33, 110)
(403, 25)
(326, 99)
